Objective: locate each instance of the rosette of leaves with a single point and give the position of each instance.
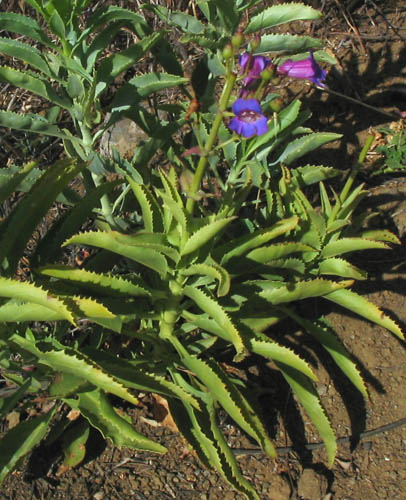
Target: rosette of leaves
(186, 290)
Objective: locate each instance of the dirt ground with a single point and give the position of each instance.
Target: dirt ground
(368, 39)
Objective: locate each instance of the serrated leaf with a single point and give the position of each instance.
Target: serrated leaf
(27, 292)
(267, 348)
(280, 14)
(102, 283)
(360, 305)
(11, 183)
(342, 268)
(117, 243)
(312, 174)
(26, 26)
(201, 432)
(20, 440)
(213, 308)
(214, 271)
(26, 53)
(345, 245)
(115, 64)
(151, 210)
(65, 384)
(299, 147)
(287, 43)
(15, 311)
(277, 251)
(231, 399)
(142, 380)
(308, 397)
(37, 202)
(276, 294)
(27, 81)
(75, 363)
(96, 408)
(33, 123)
(50, 245)
(380, 235)
(204, 235)
(241, 246)
(323, 332)
(153, 82)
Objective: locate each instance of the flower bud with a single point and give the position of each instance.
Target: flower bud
(228, 52)
(276, 104)
(255, 42)
(237, 40)
(268, 73)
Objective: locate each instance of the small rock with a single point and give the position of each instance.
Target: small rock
(311, 485)
(280, 489)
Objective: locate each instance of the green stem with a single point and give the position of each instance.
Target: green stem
(201, 166)
(353, 174)
(355, 169)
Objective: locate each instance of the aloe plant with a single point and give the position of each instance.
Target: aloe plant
(191, 275)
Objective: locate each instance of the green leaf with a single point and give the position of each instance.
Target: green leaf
(345, 245)
(212, 270)
(204, 235)
(95, 406)
(311, 174)
(15, 311)
(75, 363)
(151, 210)
(276, 294)
(27, 292)
(74, 443)
(214, 310)
(33, 123)
(231, 399)
(201, 431)
(153, 82)
(287, 43)
(27, 81)
(323, 332)
(341, 267)
(380, 235)
(187, 23)
(137, 378)
(26, 53)
(103, 284)
(122, 245)
(37, 202)
(26, 26)
(50, 245)
(280, 14)
(271, 350)
(7, 403)
(20, 440)
(115, 64)
(75, 87)
(241, 246)
(299, 147)
(12, 183)
(277, 251)
(360, 305)
(308, 397)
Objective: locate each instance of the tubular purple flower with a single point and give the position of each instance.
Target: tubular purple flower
(306, 69)
(249, 119)
(253, 66)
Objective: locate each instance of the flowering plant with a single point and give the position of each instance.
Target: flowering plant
(212, 252)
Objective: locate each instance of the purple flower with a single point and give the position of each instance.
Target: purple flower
(249, 119)
(307, 69)
(253, 66)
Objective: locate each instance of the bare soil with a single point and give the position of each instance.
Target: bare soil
(368, 39)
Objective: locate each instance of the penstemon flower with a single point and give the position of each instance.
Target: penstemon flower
(252, 66)
(306, 69)
(249, 119)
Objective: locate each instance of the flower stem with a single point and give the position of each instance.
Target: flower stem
(201, 166)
